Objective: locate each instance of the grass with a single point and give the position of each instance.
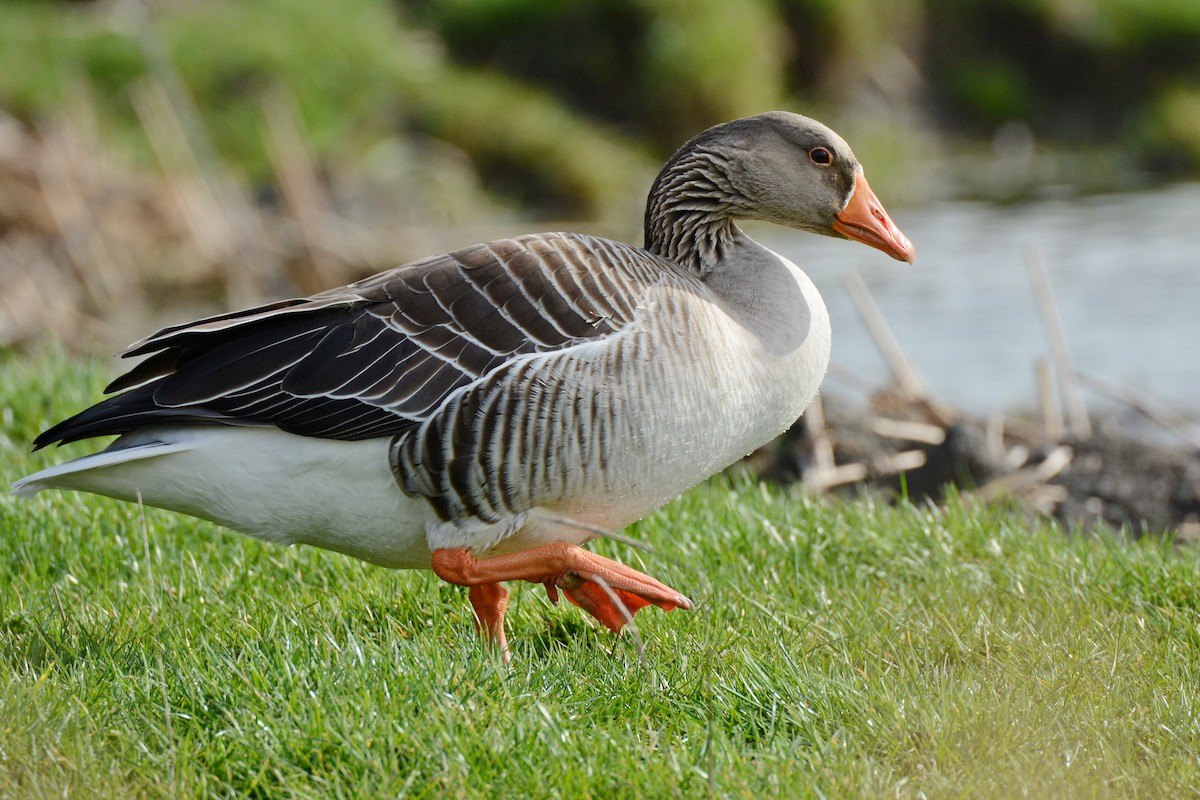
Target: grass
(838, 649)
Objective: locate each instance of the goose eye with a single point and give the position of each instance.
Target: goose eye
(821, 155)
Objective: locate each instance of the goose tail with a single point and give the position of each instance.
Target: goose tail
(91, 473)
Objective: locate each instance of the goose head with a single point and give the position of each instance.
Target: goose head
(778, 167)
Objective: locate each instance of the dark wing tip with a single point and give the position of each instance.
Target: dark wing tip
(126, 412)
(111, 416)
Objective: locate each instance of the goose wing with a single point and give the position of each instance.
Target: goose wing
(377, 357)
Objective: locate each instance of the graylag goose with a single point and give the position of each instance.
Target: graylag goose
(487, 411)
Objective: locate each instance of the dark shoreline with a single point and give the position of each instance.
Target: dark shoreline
(898, 447)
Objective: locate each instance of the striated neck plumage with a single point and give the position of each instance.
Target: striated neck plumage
(691, 209)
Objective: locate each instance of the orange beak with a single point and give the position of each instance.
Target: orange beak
(864, 220)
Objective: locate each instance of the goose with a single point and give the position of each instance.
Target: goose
(485, 412)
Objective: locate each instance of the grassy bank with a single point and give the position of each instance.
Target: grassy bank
(837, 649)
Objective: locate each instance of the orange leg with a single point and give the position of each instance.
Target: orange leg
(490, 601)
(610, 592)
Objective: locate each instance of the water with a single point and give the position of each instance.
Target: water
(1125, 271)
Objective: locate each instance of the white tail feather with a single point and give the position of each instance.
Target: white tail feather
(71, 475)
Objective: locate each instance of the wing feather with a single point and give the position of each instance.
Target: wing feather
(377, 357)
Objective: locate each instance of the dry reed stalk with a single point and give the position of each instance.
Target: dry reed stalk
(302, 192)
(1051, 401)
(1149, 407)
(36, 294)
(200, 209)
(994, 434)
(66, 181)
(224, 226)
(901, 366)
(1077, 415)
(1028, 478)
(920, 432)
(824, 474)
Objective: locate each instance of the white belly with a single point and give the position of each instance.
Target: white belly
(266, 483)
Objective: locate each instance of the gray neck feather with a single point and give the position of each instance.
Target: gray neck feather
(690, 212)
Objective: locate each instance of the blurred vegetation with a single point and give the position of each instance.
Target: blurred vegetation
(566, 107)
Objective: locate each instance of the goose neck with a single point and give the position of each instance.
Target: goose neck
(691, 210)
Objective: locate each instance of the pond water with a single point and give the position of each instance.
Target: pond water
(1125, 271)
